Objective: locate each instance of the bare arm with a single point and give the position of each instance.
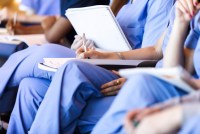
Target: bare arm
(56, 29)
(175, 48)
(18, 28)
(116, 5)
(148, 53)
(7, 14)
(176, 54)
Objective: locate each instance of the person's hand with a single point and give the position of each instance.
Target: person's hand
(90, 53)
(113, 87)
(166, 121)
(78, 42)
(133, 118)
(186, 9)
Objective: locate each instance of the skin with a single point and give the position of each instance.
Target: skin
(7, 14)
(148, 117)
(148, 53)
(51, 25)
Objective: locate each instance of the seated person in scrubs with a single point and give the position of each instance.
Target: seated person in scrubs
(144, 90)
(68, 125)
(33, 11)
(178, 115)
(51, 25)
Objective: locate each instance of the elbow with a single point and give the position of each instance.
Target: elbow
(51, 38)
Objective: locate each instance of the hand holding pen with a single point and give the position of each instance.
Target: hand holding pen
(78, 43)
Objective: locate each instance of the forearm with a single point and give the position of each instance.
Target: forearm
(31, 18)
(175, 49)
(57, 30)
(148, 53)
(23, 17)
(37, 29)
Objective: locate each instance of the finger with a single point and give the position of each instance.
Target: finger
(116, 72)
(111, 89)
(111, 93)
(185, 5)
(191, 7)
(88, 54)
(91, 44)
(129, 127)
(79, 50)
(77, 45)
(109, 84)
(84, 55)
(77, 37)
(147, 112)
(182, 9)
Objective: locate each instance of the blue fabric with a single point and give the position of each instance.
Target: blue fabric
(60, 88)
(35, 89)
(43, 7)
(144, 90)
(196, 59)
(167, 35)
(140, 91)
(193, 37)
(192, 126)
(142, 18)
(68, 100)
(22, 118)
(24, 64)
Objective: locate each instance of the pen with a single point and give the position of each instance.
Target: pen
(84, 45)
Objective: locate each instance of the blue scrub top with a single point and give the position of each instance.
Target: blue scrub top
(193, 42)
(43, 7)
(143, 21)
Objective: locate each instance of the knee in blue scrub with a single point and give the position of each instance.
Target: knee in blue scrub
(151, 88)
(33, 90)
(54, 51)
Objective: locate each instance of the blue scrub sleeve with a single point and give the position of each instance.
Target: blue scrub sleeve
(193, 37)
(158, 17)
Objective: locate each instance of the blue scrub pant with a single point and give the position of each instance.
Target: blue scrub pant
(24, 64)
(138, 92)
(72, 101)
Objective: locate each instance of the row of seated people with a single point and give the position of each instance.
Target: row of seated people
(75, 100)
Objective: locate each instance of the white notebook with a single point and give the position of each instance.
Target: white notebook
(175, 75)
(100, 25)
(52, 64)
